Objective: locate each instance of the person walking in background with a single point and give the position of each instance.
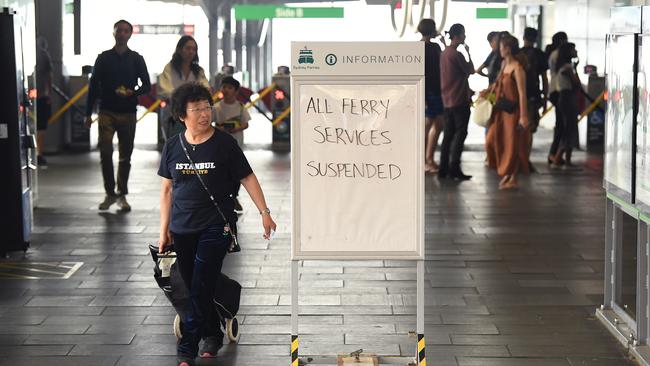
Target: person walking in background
(43, 73)
(507, 140)
(433, 101)
(183, 68)
(551, 51)
(231, 117)
(115, 81)
(456, 97)
(567, 104)
(536, 68)
(493, 62)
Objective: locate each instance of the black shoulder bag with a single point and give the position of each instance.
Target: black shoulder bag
(234, 245)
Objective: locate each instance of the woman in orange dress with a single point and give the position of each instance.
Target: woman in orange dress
(508, 136)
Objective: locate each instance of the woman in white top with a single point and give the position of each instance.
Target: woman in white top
(183, 68)
(567, 83)
(559, 39)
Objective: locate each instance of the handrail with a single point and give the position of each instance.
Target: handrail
(67, 105)
(280, 117)
(592, 107)
(261, 95)
(65, 97)
(151, 108)
(70, 102)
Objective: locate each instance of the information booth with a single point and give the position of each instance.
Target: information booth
(625, 310)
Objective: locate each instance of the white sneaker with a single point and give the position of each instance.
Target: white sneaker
(108, 201)
(122, 204)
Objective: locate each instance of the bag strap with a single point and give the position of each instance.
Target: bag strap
(193, 167)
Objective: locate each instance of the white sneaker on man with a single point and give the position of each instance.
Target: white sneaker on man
(123, 204)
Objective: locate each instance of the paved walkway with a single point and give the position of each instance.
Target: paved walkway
(513, 278)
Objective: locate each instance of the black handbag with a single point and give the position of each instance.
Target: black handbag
(506, 105)
(227, 230)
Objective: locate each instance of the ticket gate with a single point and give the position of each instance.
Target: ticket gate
(17, 142)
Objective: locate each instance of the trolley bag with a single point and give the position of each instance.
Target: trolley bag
(169, 280)
(226, 298)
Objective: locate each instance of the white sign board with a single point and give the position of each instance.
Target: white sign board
(358, 150)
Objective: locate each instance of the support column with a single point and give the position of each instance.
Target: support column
(49, 25)
(238, 44)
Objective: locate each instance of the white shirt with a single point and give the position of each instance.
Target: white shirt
(564, 82)
(171, 79)
(552, 83)
(232, 112)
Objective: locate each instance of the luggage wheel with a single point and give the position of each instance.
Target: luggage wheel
(178, 327)
(232, 330)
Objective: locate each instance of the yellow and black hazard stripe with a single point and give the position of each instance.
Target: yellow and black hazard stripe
(294, 350)
(422, 361)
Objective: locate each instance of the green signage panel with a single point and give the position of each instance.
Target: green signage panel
(257, 12)
(491, 13)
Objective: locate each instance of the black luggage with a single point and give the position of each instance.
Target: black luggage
(226, 298)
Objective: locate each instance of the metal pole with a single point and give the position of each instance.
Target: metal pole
(294, 312)
(420, 314)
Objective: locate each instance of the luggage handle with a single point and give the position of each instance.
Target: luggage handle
(169, 253)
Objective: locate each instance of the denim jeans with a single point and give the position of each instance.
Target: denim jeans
(124, 125)
(200, 257)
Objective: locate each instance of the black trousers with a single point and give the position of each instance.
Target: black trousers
(453, 142)
(558, 131)
(200, 258)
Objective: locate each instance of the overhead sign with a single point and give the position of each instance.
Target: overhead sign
(491, 13)
(357, 142)
(182, 29)
(258, 12)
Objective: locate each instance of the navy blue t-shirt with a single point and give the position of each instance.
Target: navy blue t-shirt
(220, 162)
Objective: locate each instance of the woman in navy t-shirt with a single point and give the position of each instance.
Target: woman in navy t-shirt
(188, 215)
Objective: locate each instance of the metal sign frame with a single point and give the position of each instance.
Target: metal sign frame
(330, 77)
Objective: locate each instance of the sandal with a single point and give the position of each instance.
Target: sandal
(508, 186)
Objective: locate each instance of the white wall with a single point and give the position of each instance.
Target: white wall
(370, 23)
(97, 22)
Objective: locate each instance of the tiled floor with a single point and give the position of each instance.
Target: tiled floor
(513, 278)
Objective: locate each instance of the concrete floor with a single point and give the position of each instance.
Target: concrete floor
(513, 278)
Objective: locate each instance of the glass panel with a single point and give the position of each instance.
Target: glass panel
(619, 122)
(627, 298)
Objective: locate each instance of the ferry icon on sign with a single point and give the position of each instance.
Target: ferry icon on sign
(306, 56)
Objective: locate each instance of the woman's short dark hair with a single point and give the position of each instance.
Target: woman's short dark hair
(187, 93)
(427, 27)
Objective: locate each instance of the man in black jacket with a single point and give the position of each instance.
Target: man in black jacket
(115, 81)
